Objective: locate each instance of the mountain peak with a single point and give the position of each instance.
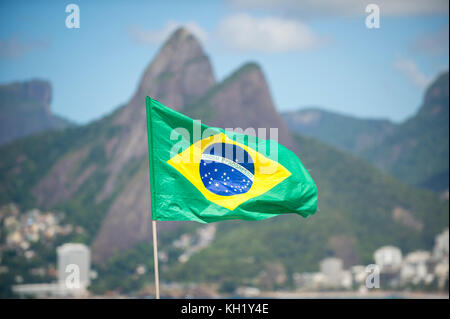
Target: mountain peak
(25, 109)
(180, 70)
(245, 69)
(40, 91)
(242, 100)
(181, 39)
(181, 34)
(436, 97)
(180, 73)
(249, 66)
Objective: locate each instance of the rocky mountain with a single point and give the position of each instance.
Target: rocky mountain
(242, 100)
(418, 150)
(179, 73)
(342, 131)
(25, 109)
(415, 151)
(98, 173)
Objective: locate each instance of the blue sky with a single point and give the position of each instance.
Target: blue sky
(312, 53)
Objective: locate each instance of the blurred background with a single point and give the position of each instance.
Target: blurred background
(359, 92)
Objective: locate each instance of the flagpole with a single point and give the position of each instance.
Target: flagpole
(155, 258)
(149, 103)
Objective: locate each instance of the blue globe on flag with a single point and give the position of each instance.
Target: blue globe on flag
(226, 169)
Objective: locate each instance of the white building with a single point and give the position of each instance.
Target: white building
(441, 272)
(44, 290)
(359, 274)
(415, 268)
(74, 260)
(388, 258)
(346, 279)
(73, 275)
(332, 269)
(310, 280)
(440, 250)
(248, 292)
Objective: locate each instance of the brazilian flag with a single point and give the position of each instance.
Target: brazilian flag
(206, 174)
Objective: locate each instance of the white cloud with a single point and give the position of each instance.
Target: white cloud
(246, 33)
(409, 68)
(346, 7)
(142, 36)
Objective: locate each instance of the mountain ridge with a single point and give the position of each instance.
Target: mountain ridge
(242, 100)
(418, 149)
(25, 109)
(344, 131)
(415, 150)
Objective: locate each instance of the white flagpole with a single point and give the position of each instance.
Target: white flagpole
(155, 258)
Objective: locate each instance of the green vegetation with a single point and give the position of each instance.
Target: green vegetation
(119, 273)
(25, 162)
(418, 150)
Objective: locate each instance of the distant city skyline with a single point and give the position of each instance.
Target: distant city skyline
(312, 54)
